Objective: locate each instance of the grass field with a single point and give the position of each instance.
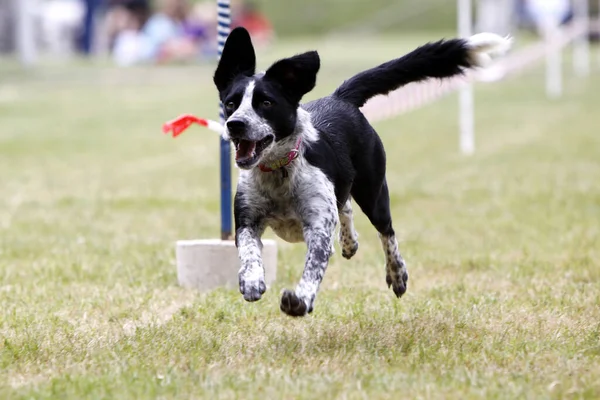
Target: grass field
(326, 16)
(502, 248)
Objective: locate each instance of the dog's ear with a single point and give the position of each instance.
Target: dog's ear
(297, 75)
(238, 58)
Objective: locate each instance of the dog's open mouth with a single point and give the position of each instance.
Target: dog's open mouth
(247, 152)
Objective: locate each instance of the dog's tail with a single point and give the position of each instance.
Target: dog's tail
(441, 59)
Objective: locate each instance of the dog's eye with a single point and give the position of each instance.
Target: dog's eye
(230, 105)
(267, 103)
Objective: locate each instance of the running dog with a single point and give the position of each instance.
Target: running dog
(301, 164)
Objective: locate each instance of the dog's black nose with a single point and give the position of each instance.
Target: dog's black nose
(236, 127)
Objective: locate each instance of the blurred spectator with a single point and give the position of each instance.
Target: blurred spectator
(7, 37)
(88, 31)
(59, 22)
(123, 17)
(55, 24)
(532, 12)
(171, 34)
(556, 10)
(247, 14)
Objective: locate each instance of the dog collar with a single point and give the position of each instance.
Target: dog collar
(282, 162)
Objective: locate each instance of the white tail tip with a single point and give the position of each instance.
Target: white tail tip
(485, 46)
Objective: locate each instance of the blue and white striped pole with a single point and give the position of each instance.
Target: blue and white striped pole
(223, 29)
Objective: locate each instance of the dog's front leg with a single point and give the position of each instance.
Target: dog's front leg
(319, 239)
(252, 272)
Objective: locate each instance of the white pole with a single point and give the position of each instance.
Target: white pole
(551, 31)
(581, 54)
(466, 96)
(25, 32)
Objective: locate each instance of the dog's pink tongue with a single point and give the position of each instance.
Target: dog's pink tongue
(245, 150)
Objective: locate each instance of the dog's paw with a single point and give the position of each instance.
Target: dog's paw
(293, 305)
(349, 249)
(252, 288)
(397, 278)
(348, 242)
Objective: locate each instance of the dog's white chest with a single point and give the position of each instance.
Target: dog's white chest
(305, 196)
(282, 217)
(289, 230)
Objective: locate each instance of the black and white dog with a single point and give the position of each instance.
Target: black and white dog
(302, 164)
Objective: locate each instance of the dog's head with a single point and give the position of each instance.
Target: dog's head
(260, 109)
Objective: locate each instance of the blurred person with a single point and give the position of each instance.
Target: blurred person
(168, 35)
(247, 14)
(202, 22)
(59, 23)
(522, 15)
(121, 17)
(7, 37)
(88, 30)
(546, 13)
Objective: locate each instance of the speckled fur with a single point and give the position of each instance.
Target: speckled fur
(348, 236)
(299, 207)
(341, 157)
(396, 274)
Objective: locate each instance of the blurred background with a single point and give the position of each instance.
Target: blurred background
(86, 85)
(128, 32)
(502, 245)
(89, 83)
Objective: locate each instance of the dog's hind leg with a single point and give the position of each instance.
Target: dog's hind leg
(375, 203)
(348, 236)
(396, 274)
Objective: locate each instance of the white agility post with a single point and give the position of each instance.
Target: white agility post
(25, 36)
(554, 74)
(581, 54)
(466, 96)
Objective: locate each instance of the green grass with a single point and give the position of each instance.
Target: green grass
(316, 17)
(324, 16)
(502, 248)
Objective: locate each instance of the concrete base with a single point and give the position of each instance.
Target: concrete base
(210, 264)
